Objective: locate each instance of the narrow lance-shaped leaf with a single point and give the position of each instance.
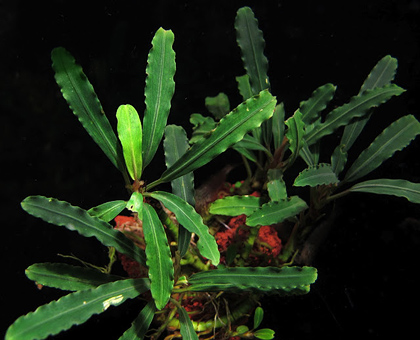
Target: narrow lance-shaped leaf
(130, 135)
(295, 133)
(192, 221)
(159, 259)
(67, 277)
(382, 74)
(312, 107)
(357, 107)
(244, 86)
(395, 187)
(141, 324)
(235, 205)
(175, 145)
(74, 218)
(276, 212)
(278, 125)
(74, 309)
(312, 176)
(186, 326)
(107, 211)
(286, 280)
(159, 90)
(231, 129)
(394, 138)
(82, 100)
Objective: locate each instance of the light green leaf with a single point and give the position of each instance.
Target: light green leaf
(218, 106)
(264, 334)
(159, 90)
(67, 277)
(74, 218)
(141, 324)
(276, 212)
(82, 100)
(395, 187)
(394, 138)
(107, 211)
(231, 129)
(312, 107)
(235, 205)
(286, 280)
(192, 221)
(295, 133)
(258, 317)
(321, 174)
(135, 204)
(186, 326)
(357, 107)
(74, 309)
(244, 86)
(158, 255)
(130, 135)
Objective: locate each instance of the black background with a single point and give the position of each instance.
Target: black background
(367, 282)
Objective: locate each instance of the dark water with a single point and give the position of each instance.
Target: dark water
(367, 266)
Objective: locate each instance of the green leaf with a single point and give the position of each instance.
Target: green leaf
(186, 326)
(251, 42)
(244, 86)
(382, 74)
(395, 187)
(321, 174)
(394, 138)
(276, 186)
(159, 259)
(74, 309)
(218, 106)
(357, 107)
(258, 317)
(74, 218)
(286, 280)
(278, 125)
(251, 143)
(295, 133)
(192, 221)
(202, 127)
(130, 135)
(107, 211)
(67, 277)
(231, 129)
(82, 100)
(141, 324)
(235, 205)
(312, 107)
(276, 212)
(264, 334)
(135, 204)
(159, 90)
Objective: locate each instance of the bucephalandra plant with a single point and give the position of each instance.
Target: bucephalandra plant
(201, 259)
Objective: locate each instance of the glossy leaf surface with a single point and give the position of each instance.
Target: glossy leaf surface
(159, 259)
(141, 324)
(231, 129)
(394, 138)
(74, 218)
(107, 211)
(130, 134)
(159, 90)
(395, 187)
(321, 174)
(276, 186)
(192, 221)
(74, 309)
(286, 280)
(67, 277)
(357, 107)
(82, 100)
(276, 212)
(235, 205)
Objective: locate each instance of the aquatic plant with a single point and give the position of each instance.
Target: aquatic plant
(202, 259)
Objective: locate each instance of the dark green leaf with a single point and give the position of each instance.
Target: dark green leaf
(321, 174)
(312, 107)
(141, 324)
(218, 106)
(186, 326)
